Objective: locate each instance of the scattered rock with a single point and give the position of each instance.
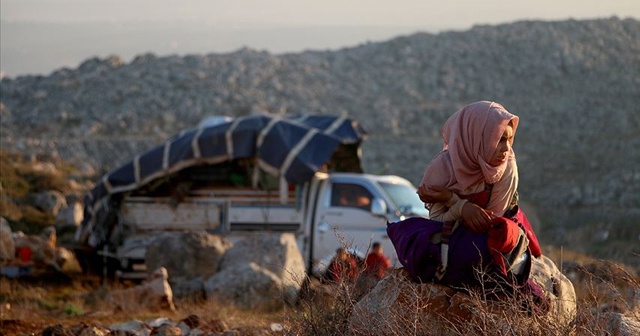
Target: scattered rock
(166, 330)
(153, 294)
(50, 201)
(134, 327)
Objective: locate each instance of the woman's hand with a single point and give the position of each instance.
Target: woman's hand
(476, 218)
(434, 194)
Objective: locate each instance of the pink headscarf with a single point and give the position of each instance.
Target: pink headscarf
(471, 136)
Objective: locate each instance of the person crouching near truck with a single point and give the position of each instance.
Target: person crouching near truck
(376, 263)
(343, 268)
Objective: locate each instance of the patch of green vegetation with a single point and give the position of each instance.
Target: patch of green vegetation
(46, 304)
(73, 310)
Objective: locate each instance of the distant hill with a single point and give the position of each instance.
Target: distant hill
(574, 84)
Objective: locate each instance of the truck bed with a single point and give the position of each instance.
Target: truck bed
(215, 210)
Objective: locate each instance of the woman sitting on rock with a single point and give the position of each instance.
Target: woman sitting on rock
(470, 189)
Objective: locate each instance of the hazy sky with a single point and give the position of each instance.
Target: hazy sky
(37, 37)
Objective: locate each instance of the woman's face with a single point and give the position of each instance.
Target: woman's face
(501, 154)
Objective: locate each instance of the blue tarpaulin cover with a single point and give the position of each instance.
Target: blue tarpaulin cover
(290, 147)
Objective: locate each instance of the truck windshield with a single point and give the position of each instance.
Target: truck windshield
(405, 198)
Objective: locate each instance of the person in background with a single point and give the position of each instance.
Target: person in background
(377, 263)
(343, 267)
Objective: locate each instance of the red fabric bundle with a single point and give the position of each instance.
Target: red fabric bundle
(534, 246)
(502, 238)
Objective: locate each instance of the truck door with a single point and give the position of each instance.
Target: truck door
(344, 219)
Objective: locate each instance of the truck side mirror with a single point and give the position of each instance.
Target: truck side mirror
(378, 207)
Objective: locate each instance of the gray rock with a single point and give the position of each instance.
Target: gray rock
(186, 255)
(51, 201)
(71, 215)
(247, 286)
(135, 327)
(276, 252)
(166, 330)
(558, 289)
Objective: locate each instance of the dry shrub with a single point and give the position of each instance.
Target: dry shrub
(324, 306)
(325, 313)
(601, 295)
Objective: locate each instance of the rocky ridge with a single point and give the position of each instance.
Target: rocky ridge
(574, 84)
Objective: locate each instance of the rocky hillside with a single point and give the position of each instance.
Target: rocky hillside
(574, 84)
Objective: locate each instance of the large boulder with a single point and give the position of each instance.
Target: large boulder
(276, 253)
(260, 271)
(398, 306)
(186, 255)
(247, 286)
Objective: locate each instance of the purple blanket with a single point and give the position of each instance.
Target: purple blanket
(420, 256)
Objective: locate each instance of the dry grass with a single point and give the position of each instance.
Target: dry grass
(328, 315)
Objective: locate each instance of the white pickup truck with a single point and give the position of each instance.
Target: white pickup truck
(299, 174)
(331, 211)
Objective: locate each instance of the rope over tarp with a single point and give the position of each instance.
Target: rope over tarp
(291, 147)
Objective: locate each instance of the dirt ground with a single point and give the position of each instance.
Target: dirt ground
(30, 304)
